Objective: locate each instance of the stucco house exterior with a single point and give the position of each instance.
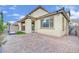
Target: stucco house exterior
(41, 21)
(12, 28)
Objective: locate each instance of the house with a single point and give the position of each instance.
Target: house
(41, 21)
(13, 28)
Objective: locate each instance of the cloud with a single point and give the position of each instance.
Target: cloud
(21, 16)
(3, 5)
(70, 7)
(13, 7)
(15, 14)
(74, 13)
(11, 22)
(57, 7)
(5, 12)
(1, 8)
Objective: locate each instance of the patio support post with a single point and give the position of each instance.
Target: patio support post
(19, 24)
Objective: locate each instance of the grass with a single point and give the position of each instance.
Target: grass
(20, 32)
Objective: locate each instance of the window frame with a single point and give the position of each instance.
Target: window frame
(50, 19)
(23, 28)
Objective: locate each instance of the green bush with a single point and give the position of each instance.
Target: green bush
(5, 26)
(20, 32)
(1, 23)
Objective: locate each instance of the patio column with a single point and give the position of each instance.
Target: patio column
(19, 24)
(28, 26)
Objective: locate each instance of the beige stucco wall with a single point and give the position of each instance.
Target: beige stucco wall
(13, 28)
(55, 31)
(19, 24)
(28, 26)
(38, 13)
(57, 24)
(66, 30)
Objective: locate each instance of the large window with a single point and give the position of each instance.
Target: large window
(23, 28)
(47, 23)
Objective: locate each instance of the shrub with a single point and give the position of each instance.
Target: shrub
(20, 32)
(1, 23)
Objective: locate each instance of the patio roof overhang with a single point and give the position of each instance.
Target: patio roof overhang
(55, 13)
(27, 17)
(62, 11)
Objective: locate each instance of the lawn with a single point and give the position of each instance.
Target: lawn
(20, 33)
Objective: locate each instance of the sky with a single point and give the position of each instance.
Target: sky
(13, 13)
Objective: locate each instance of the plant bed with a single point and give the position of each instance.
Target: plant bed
(20, 32)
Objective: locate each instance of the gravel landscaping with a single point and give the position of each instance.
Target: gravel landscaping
(38, 43)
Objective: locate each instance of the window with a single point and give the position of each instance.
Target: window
(23, 28)
(47, 23)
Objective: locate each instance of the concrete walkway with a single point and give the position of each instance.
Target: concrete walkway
(38, 43)
(3, 39)
(0, 49)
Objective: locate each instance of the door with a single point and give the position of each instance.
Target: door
(33, 26)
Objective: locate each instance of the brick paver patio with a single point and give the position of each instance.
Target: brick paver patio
(35, 42)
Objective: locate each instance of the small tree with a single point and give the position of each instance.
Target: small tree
(1, 23)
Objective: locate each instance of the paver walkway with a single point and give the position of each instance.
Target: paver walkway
(35, 42)
(0, 49)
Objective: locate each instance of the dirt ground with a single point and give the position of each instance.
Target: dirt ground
(38, 43)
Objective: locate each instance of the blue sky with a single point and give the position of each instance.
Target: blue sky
(16, 12)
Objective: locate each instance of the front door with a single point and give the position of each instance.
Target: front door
(33, 26)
